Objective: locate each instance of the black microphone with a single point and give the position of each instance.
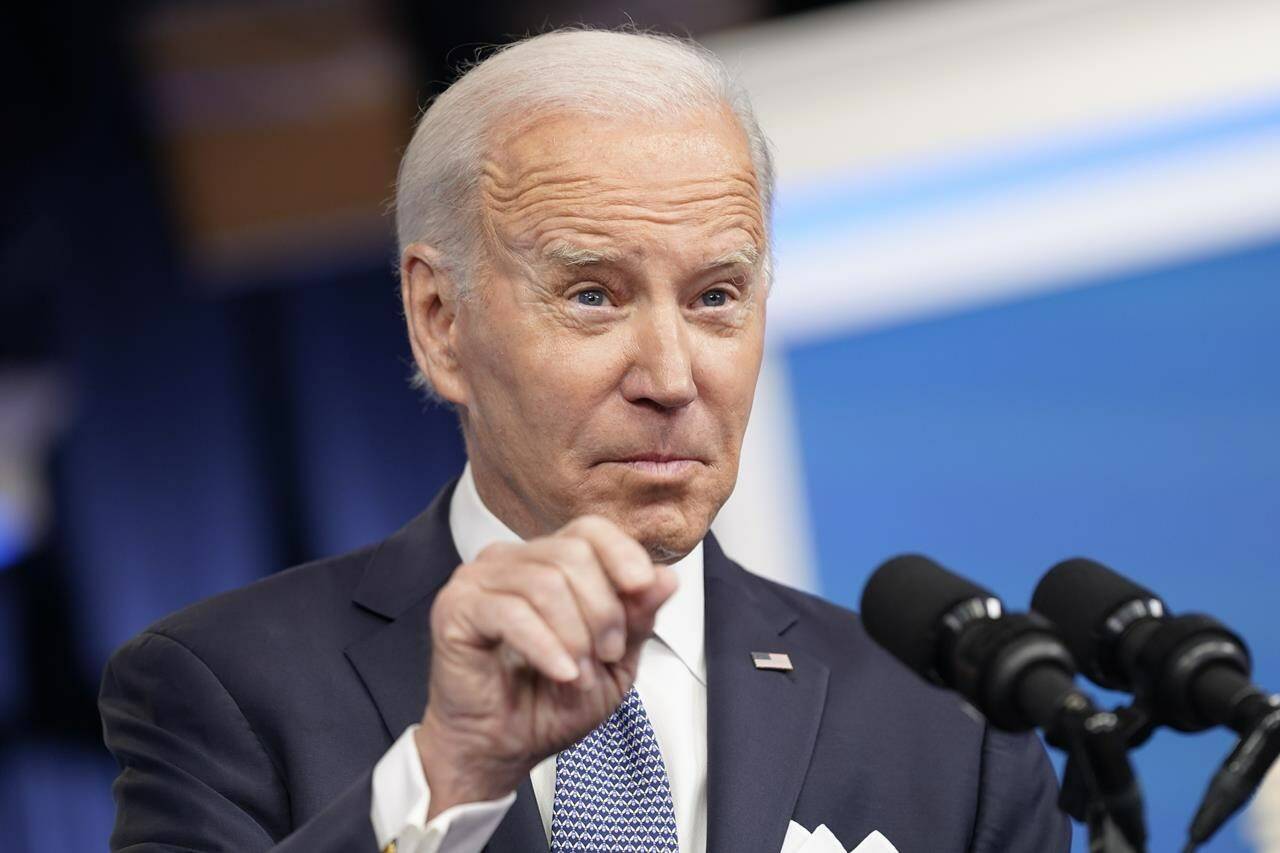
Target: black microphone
(1188, 672)
(1191, 670)
(1013, 667)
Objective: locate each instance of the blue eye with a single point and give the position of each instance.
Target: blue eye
(595, 298)
(714, 298)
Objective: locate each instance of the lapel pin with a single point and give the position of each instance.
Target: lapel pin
(772, 660)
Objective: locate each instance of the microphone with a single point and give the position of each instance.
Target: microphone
(1013, 667)
(1192, 670)
(1189, 672)
(954, 633)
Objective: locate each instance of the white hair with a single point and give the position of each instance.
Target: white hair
(606, 73)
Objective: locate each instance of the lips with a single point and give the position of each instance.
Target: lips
(656, 465)
(657, 458)
(659, 466)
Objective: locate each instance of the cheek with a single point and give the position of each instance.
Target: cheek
(544, 375)
(728, 371)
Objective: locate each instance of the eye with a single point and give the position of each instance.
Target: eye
(715, 298)
(594, 298)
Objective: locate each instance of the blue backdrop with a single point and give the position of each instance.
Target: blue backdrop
(1135, 420)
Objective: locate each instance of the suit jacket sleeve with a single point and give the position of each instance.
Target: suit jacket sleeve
(194, 774)
(1018, 802)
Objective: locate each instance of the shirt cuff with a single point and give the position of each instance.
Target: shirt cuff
(401, 800)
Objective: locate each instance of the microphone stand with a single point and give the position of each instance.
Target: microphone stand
(1099, 788)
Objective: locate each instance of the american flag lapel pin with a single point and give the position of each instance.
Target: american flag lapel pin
(772, 660)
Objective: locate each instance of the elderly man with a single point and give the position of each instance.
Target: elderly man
(556, 652)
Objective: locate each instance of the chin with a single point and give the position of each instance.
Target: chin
(668, 518)
(667, 531)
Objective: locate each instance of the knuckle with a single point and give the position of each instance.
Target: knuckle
(610, 614)
(629, 543)
(546, 586)
(446, 599)
(515, 614)
(461, 576)
(577, 550)
(577, 640)
(509, 609)
(450, 633)
(445, 622)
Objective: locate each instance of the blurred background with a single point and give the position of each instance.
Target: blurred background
(1028, 307)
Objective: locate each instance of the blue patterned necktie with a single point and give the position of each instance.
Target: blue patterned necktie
(612, 792)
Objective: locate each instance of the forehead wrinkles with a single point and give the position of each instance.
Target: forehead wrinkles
(524, 202)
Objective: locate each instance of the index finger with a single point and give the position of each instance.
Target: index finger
(642, 608)
(624, 560)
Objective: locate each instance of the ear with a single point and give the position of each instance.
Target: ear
(430, 312)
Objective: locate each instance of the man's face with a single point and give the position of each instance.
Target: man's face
(609, 357)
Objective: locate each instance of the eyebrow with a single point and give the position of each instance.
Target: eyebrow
(574, 256)
(747, 256)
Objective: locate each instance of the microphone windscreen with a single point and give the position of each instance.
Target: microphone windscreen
(1077, 596)
(903, 604)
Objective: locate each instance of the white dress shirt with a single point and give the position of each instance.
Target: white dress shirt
(671, 681)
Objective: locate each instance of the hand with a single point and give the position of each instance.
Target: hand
(533, 646)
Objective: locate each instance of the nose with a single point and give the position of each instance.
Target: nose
(661, 373)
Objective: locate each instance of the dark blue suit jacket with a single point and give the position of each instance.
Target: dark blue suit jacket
(252, 721)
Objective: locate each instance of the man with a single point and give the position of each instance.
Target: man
(557, 652)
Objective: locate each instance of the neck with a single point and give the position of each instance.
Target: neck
(500, 496)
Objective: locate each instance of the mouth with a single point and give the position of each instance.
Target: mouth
(659, 465)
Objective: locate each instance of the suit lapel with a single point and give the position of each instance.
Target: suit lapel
(393, 663)
(761, 724)
(400, 584)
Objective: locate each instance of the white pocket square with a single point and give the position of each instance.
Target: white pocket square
(822, 840)
(875, 843)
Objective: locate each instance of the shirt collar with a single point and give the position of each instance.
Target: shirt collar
(678, 623)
